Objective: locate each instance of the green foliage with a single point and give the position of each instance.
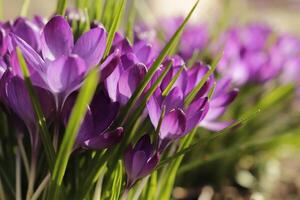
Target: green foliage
(45, 135)
(84, 98)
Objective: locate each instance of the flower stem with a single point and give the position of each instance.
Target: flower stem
(23, 154)
(31, 179)
(125, 194)
(18, 176)
(41, 188)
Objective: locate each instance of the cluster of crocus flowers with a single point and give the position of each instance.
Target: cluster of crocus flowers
(58, 63)
(256, 54)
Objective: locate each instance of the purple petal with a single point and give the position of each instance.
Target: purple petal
(173, 125)
(139, 160)
(31, 56)
(151, 164)
(142, 51)
(174, 99)
(3, 42)
(225, 99)
(57, 38)
(111, 83)
(110, 63)
(28, 31)
(104, 111)
(86, 128)
(65, 74)
(91, 46)
(195, 113)
(129, 81)
(104, 140)
(154, 110)
(18, 99)
(215, 126)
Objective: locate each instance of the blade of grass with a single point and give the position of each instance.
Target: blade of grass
(1, 10)
(97, 6)
(167, 179)
(107, 12)
(168, 47)
(61, 7)
(258, 145)
(131, 19)
(117, 182)
(45, 135)
(114, 25)
(78, 112)
(24, 9)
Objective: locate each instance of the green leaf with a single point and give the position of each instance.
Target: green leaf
(82, 4)
(131, 19)
(79, 110)
(114, 25)
(1, 10)
(190, 97)
(61, 7)
(150, 189)
(165, 51)
(107, 13)
(290, 138)
(24, 9)
(97, 6)
(45, 135)
(117, 182)
(275, 96)
(168, 175)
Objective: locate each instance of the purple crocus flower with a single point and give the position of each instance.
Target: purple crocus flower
(17, 99)
(179, 119)
(247, 55)
(130, 71)
(286, 53)
(64, 64)
(140, 160)
(223, 96)
(95, 132)
(194, 39)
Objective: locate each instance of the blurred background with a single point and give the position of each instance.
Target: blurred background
(266, 169)
(282, 14)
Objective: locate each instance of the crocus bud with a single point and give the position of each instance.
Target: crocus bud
(140, 160)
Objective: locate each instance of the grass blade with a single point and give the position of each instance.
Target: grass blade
(114, 25)
(61, 7)
(79, 110)
(45, 135)
(131, 19)
(24, 9)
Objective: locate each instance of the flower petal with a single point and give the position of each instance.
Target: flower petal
(104, 140)
(173, 125)
(57, 38)
(110, 63)
(65, 74)
(129, 81)
(91, 46)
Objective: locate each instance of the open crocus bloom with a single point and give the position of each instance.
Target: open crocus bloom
(63, 64)
(179, 118)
